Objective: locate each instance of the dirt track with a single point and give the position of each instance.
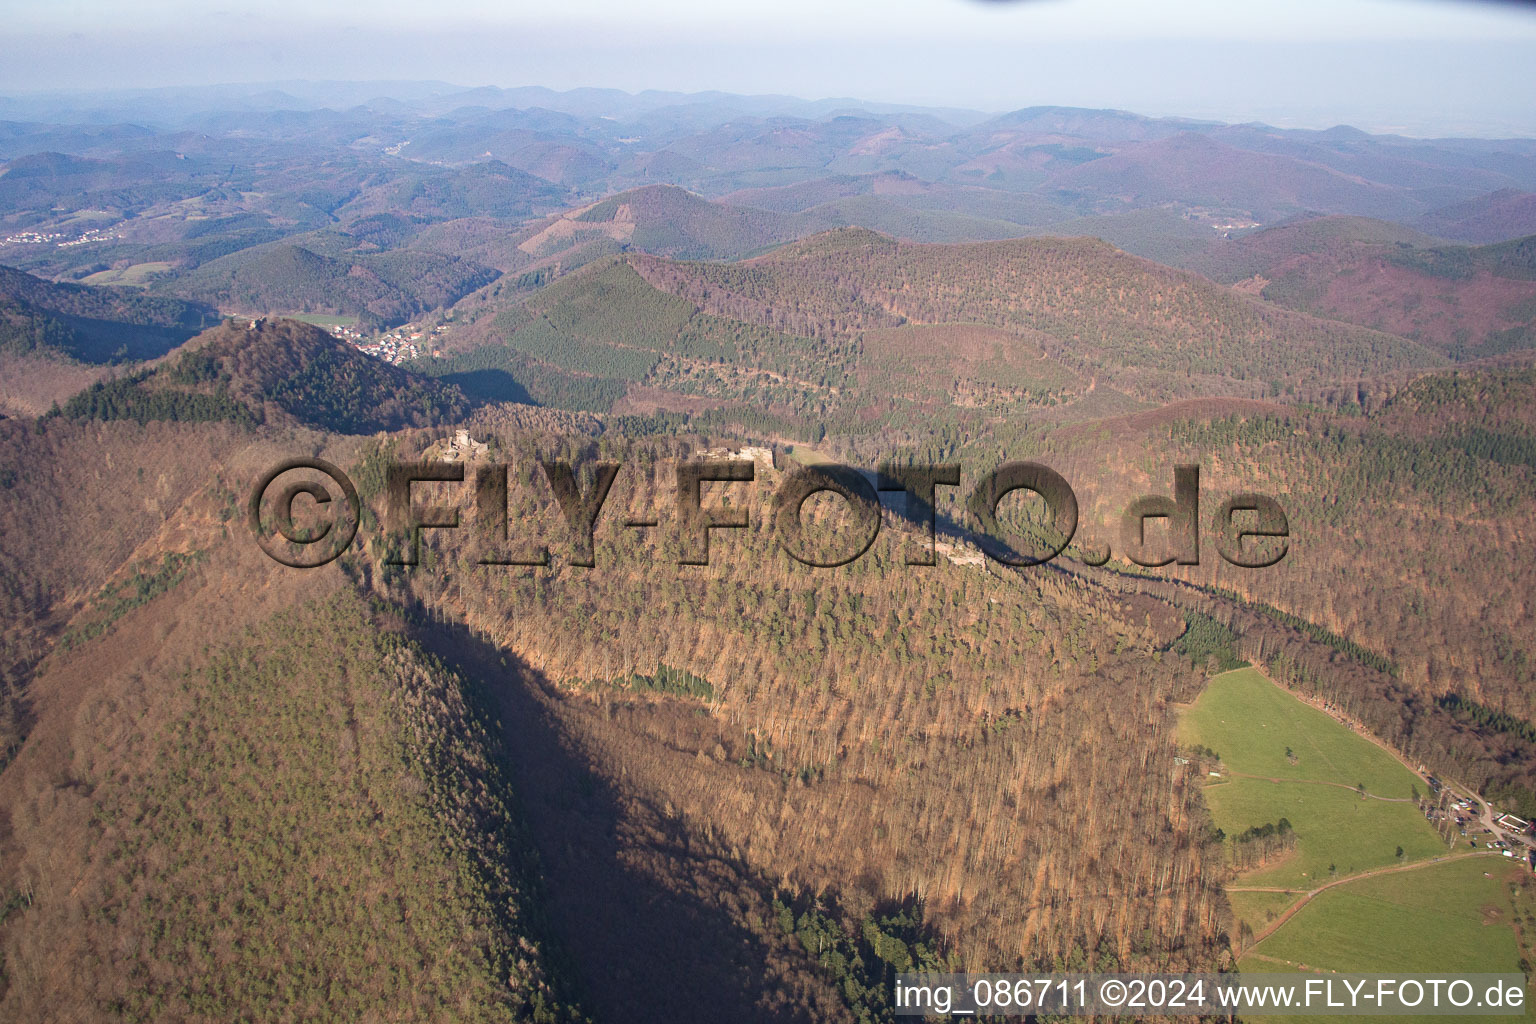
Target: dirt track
(1307, 895)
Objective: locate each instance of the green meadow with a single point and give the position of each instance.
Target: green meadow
(321, 319)
(1337, 833)
(1284, 758)
(1258, 909)
(1453, 916)
(135, 275)
(1264, 734)
(1439, 918)
(808, 456)
(1251, 723)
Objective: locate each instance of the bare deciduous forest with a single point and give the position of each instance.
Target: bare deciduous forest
(503, 784)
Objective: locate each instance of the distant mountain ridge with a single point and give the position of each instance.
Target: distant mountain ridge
(1492, 218)
(1466, 301)
(199, 200)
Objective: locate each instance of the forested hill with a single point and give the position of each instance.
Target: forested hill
(91, 324)
(1468, 302)
(1231, 260)
(851, 328)
(489, 189)
(1114, 310)
(666, 220)
(284, 278)
(306, 816)
(244, 372)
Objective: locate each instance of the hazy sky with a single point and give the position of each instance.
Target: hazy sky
(1419, 65)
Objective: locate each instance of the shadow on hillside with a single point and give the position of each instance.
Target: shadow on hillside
(106, 341)
(645, 948)
(490, 386)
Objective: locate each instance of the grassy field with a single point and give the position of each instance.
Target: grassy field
(320, 319)
(1251, 723)
(1440, 918)
(808, 456)
(1334, 828)
(137, 274)
(1259, 909)
(1284, 758)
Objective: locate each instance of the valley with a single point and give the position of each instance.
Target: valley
(551, 759)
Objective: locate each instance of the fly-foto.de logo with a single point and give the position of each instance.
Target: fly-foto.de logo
(1249, 530)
